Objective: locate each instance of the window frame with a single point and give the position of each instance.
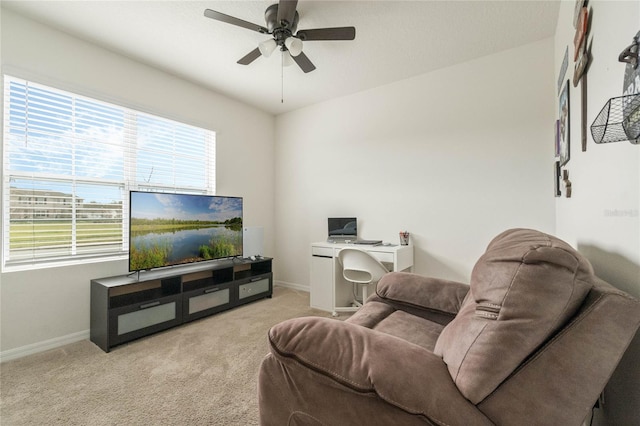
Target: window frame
(132, 152)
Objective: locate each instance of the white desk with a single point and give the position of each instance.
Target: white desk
(329, 291)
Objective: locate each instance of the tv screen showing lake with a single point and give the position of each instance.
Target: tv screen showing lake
(171, 229)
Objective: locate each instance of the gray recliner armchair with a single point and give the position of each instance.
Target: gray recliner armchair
(532, 340)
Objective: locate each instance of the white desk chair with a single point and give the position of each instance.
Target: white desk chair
(360, 268)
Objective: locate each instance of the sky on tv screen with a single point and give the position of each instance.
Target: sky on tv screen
(185, 207)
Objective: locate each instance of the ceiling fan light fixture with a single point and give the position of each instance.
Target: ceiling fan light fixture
(287, 60)
(267, 47)
(294, 45)
(282, 23)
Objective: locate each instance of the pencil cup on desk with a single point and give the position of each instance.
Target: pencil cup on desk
(404, 238)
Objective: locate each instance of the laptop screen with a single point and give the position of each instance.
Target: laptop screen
(343, 227)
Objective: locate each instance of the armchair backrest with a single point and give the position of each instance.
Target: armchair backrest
(562, 380)
(525, 287)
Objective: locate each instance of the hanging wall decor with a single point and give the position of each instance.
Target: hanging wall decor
(581, 56)
(576, 11)
(631, 56)
(563, 111)
(581, 32)
(567, 183)
(619, 119)
(563, 68)
(556, 177)
(556, 131)
(584, 58)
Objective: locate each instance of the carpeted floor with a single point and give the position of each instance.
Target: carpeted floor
(201, 373)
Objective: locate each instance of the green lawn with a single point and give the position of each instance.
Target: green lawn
(44, 234)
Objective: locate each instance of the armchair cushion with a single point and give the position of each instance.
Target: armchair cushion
(436, 300)
(362, 360)
(524, 288)
(412, 307)
(422, 292)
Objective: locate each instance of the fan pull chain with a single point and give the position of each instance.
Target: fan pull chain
(282, 78)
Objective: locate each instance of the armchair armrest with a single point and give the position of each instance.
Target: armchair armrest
(417, 291)
(367, 362)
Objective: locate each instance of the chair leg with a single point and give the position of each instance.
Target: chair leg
(356, 302)
(354, 289)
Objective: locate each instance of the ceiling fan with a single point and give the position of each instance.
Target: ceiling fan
(282, 21)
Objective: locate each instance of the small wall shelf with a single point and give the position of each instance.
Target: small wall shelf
(619, 120)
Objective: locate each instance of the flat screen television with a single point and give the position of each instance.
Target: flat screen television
(343, 227)
(173, 229)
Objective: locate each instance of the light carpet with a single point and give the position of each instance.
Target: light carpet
(201, 373)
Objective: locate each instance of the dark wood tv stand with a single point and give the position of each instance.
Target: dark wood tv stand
(127, 307)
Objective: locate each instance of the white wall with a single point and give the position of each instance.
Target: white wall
(53, 304)
(602, 218)
(454, 157)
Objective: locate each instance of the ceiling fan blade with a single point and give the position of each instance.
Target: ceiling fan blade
(250, 57)
(340, 33)
(287, 11)
(234, 21)
(304, 63)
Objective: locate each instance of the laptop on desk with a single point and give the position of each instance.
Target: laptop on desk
(345, 230)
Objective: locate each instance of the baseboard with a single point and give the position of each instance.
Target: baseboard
(292, 285)
(35, 348)
(45, 345)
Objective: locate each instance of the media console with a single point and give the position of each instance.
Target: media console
(127, 307)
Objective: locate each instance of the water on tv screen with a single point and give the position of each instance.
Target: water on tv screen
(172, 229)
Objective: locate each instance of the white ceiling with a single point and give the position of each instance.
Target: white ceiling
(394, 40)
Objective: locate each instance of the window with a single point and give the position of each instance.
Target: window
(70, 162)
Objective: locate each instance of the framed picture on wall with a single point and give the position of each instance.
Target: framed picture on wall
(556, 177)
(564, 119)
(563, 68)
(556, 132)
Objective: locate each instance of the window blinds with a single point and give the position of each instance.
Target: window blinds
(69, 163)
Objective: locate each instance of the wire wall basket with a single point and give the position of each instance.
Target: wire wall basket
(618, 121)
